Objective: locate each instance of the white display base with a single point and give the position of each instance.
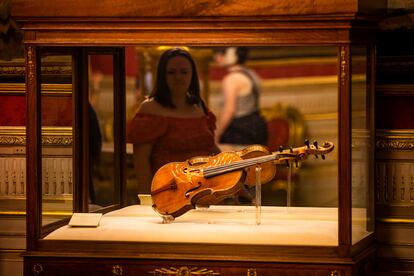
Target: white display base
(217, 224)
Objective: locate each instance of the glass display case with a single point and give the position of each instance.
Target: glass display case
(316, 75)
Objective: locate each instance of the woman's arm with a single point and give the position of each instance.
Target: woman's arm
(142, 154)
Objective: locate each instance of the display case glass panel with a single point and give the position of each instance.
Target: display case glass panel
(56, 130)
(102, 189)
(362, 147)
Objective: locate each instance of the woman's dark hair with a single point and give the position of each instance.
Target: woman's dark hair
(161, 92)
(242, 54)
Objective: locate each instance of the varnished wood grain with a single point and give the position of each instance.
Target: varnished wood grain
(33, 148)
(188, 37)
(188, 8)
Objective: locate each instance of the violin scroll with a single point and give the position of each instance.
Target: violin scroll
(302, 153)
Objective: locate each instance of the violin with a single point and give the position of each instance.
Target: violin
(178, 186)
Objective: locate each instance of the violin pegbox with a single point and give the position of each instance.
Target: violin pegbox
(301, 153)
(317, 150)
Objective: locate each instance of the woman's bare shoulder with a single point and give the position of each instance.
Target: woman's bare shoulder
(149, 106)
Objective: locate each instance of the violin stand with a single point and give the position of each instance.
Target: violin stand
(258, 200)
(289, 186)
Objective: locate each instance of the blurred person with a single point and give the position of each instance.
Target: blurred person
(173, 124)
(240, 121)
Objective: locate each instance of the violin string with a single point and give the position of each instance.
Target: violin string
(211, 171)
(215, 170)
(240, 164)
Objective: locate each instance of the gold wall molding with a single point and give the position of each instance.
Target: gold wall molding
(394, 169)
(48, 89)
(51, 136)
(13, 70)
(395, 140)
(12, 140)
(17, 67)
(46, 141)
(383, 144)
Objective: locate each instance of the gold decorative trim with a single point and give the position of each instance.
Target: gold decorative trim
(46, 141)
(30, 65)
(335, 273)
(117, 270)
(57, 69)
(17, 68)
(12, 70)
(52, 136)
(343, 65)
(395, 145)
(395, 140)
(395, 220)
(37, 269)
(396, 133)
(12, 140)
(251, 272)
(183, 271)
(56, 141)
(48, 89)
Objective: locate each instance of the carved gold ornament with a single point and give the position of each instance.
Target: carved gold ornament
(335, 273)
(343, 65)
(30, 65)
(183, 271)
(117, 270)
(37, 269)
(252, 272)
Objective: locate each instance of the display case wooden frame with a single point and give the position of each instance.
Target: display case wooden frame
(88, 23)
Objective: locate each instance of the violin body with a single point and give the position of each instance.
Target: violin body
(268, 169)
(177, 187)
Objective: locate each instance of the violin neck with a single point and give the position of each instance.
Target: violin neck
(217, 170)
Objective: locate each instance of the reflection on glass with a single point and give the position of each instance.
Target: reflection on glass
(57, 117)
(361, 145)
(101, 131)
(297, 98)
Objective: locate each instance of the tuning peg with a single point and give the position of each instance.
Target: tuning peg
(287, 163)
(307, 143)
(291, 150)
(316, 146)
(323, 157)
(280, 148)
(296, 163)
